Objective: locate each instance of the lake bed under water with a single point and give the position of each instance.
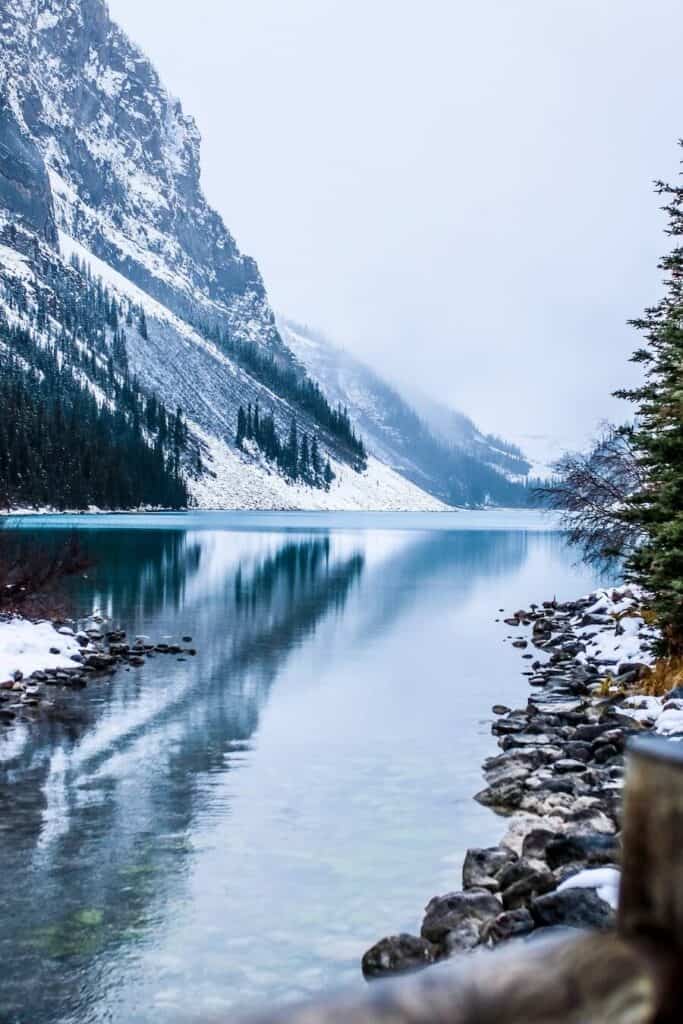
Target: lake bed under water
(235, 829)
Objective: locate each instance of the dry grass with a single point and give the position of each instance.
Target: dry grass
(665, 674)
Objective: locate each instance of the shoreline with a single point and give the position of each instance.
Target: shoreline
(42, 659)
(557, 780)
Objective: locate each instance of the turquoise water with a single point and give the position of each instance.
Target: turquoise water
(237, 828)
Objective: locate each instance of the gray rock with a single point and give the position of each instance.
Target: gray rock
(449, 913)
(509, 925)
(568, 766)
(592, 848)
(572, 908)
(506, 795)
(535, 843)
(396, 954)
(483, 866)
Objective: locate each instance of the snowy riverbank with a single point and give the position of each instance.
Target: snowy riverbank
(557, 781)
(40, 660)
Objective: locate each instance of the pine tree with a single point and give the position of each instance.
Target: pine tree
(241, 426)
(328, 475)
(291, 455)
(304, 464)
(657, 438)
(316, 465)
(142, 324)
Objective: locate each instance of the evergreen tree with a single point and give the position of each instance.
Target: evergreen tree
(657, 438)
(241, 426)
(316, 465)
(142, 324)
(328, 475)
(304, 464)
(291, 458)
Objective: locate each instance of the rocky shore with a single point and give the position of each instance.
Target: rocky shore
(74, 658)
(557, 781)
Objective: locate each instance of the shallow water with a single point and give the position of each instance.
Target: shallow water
(238, 827)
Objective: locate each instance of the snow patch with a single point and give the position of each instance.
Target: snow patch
(25, 647)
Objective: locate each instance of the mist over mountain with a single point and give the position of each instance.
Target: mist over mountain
(120, 285)
(439, 449)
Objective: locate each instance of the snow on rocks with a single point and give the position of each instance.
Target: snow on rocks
(40, 659)
(26, 647)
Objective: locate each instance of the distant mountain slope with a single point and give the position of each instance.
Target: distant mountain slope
(440, 450)
(100, 175)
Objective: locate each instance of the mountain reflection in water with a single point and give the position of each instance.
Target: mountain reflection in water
(234, 826)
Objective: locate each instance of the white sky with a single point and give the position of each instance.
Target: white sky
(458, 192)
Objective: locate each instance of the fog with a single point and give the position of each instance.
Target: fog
(460, 193)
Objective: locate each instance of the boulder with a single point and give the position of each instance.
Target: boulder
(523, 881)
(592, 848)
(459, 912)
(483, 866)
(572, 908)
(396, 954)
(509, 925)
(506, 795)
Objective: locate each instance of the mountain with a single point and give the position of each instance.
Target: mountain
(120, 282)
(437, 448)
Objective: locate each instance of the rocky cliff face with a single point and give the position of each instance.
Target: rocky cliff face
(123, 164)
(100, 177)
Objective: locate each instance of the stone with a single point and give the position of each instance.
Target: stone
(535, 843)
(501, 794)
(572, 908)
(482, 867)
(509, 925)
(458, 912)
(604, 753)
(568, 766)
(529, 883)
(396, 954)
(592, 848)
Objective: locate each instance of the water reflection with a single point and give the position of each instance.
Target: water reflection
(124, 815)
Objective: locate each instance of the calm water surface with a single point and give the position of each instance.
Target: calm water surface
(237, 828)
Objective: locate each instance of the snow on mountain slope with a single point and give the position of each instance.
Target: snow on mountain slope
(99, 161)
(379, 488)
(441, 450)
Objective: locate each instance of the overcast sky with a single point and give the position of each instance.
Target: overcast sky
(458, 192)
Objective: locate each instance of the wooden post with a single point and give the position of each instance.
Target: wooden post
(651, 897)
(632, 977)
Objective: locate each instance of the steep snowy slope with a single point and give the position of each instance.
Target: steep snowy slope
(99, 162)
(438, 448)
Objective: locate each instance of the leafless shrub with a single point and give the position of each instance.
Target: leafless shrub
(591, 489)
(31, 572)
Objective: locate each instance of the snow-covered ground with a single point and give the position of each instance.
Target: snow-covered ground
(242, 484)
(627, 638)
(26, 647)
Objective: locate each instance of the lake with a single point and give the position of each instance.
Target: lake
(236, 828)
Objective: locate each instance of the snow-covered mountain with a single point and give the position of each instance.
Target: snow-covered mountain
(100, 176)
(100, 181)
(439, 449)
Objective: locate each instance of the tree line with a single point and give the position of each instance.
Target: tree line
(296, 387)
(299, 457)
(76, 427)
